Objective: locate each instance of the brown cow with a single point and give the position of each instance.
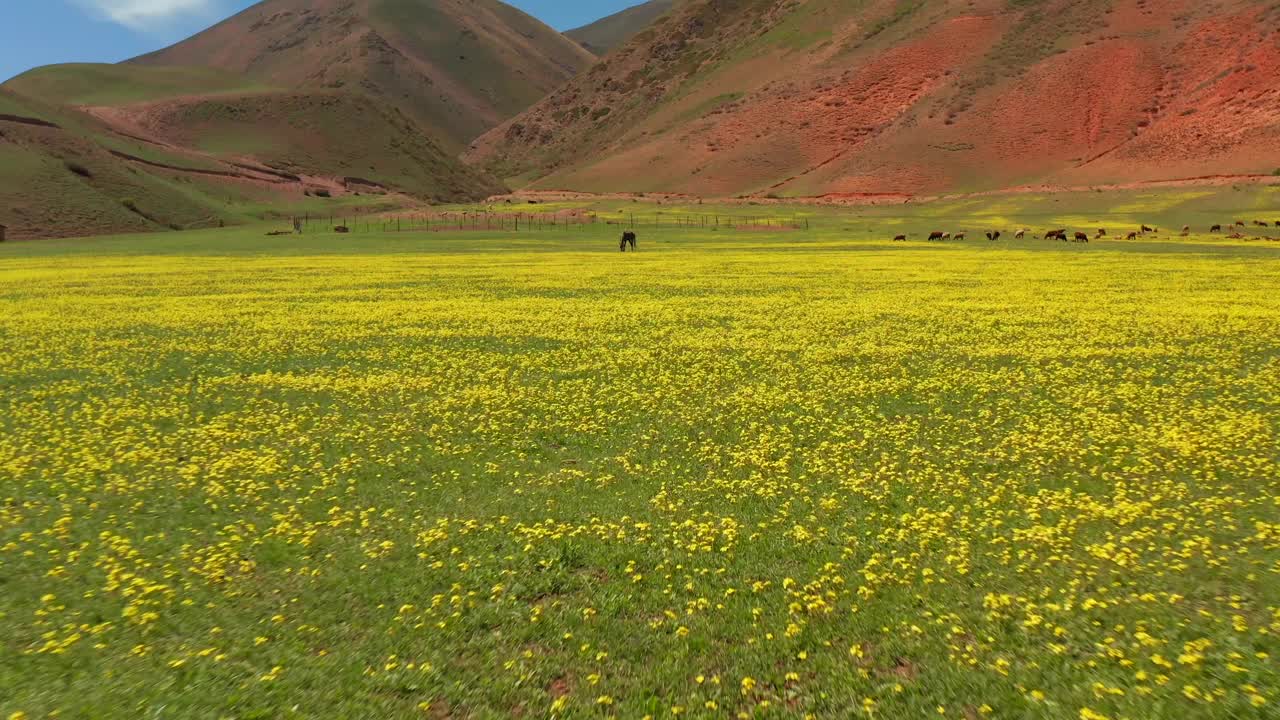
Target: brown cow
(1020, 234)
(900, 238)
(935, 235)
(1082, 237)
(1102, 233)
(959, 236)
(994, 235)
(1132, 236)
(1239, 223)
(1056, 235)
(1215, 228)
(1146, 229)
(1186, 229)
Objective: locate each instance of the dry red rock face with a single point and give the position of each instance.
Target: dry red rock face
(822, 98)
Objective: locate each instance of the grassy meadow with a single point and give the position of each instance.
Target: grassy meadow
(737, 474)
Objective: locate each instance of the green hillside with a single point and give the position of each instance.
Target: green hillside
(102, 84)
(329, 134)
(66, 173)
(68, 177)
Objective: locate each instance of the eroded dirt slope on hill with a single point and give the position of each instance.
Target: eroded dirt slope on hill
(871, 96)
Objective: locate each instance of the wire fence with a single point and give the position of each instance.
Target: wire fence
(463, 221)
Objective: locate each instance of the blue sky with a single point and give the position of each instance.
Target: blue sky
(41, 32)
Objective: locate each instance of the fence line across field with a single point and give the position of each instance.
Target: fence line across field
(538, 222)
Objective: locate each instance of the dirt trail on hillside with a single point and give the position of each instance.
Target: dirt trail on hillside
(144, 122)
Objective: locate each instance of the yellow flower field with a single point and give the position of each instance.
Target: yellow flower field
(766, 476)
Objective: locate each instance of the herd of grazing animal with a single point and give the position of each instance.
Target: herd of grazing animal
(1080, 237)
(1239, 225)
(629, 238)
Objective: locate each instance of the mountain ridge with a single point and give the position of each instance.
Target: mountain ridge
(608, 33)
(763, 97)
(458, 67)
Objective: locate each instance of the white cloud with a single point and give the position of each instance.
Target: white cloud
(149, 14)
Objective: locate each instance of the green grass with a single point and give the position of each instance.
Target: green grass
(1114, 210)
(485, 476)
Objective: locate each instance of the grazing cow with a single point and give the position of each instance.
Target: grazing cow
(1132, 236)
(1239, 223)
(1278, 223)
(935, 235)
(1146, 229)
(1259, 223)
(628, 238)
(1082, 237)
(898, 238)
(959, 236)
(1215, 228)
(1020, 234)
(1102, 232)
(1186, 229)
(993, 235)
(946, 236)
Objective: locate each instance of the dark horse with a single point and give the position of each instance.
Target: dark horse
(628, 238)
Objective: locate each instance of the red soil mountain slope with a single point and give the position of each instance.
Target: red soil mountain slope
(818, 97)
(458, 67)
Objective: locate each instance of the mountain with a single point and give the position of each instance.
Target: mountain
(93, 149)
(850, 97)
(605, 34)
(64, 173)
(457, 67)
